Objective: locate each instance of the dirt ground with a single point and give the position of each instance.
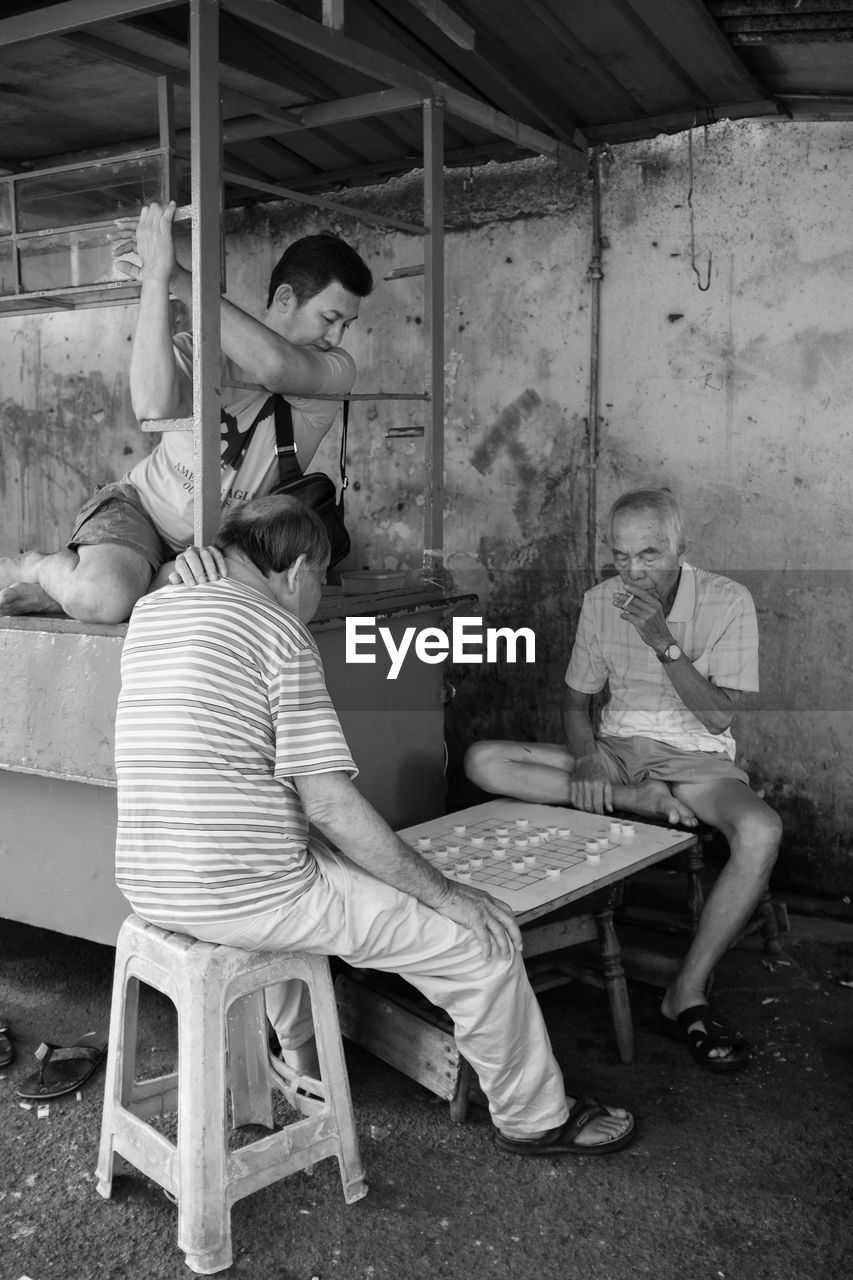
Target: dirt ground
(746, 1177)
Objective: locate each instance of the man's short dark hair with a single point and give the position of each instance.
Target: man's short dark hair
(273, 532)
(311, 264)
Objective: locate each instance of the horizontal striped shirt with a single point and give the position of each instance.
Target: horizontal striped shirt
(713, 621)
(223, 703)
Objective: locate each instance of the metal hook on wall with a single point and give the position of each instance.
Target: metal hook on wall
(703, 288)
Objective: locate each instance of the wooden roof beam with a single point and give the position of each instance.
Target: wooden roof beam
(485, 75)
(60, 19)
(332, 44)
(448, 22)
(324, 114)
(291, 193)
(245, 128)
(143, 62)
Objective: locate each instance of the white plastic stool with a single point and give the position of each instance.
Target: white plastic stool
(222, 1043)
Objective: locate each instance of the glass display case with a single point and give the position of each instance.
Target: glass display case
(57, 228)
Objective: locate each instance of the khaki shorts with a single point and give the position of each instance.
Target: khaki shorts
(116, 515)
(635, 760)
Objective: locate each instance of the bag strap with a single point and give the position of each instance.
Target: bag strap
(343, 460)
(285, 448)
(236, 451)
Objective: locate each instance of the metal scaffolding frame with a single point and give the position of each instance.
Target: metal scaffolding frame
(406, 87)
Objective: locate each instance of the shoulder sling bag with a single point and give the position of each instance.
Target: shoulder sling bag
(316, 489)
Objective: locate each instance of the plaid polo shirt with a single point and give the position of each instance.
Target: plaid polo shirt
(713, 621)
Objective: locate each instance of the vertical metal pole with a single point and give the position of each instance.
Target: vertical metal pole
(166, 114)
(434, 335)
(595, 275)
(207, 395)
(13, 224)
(333, 14)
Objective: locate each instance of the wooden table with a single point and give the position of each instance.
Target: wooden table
(559, 870)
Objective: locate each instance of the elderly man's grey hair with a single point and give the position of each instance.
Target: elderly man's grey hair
(662, 503)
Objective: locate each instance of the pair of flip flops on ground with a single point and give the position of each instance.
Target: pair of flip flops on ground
(564, 1140)
(64, 1070)
(704, 1032)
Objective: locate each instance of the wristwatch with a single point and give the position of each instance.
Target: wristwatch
(671, 653)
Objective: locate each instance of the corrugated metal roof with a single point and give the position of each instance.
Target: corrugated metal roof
(577, 71)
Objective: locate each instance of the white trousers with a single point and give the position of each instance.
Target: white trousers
(369, 924)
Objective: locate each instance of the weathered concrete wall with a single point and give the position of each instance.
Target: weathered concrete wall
(65, 419)
(739, 398)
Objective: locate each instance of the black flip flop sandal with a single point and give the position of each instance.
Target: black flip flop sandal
(64, 1070)
(713, 1033)
(305, 1094)
(563, 1141)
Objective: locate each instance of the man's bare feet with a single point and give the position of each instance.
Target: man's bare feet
(14, 569)
(26, 597)
(654, 799)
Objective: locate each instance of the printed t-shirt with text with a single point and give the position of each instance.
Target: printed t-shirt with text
(165, 480)
(713, 621)
(223, 703)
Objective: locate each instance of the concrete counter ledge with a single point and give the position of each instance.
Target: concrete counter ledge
(59, 683)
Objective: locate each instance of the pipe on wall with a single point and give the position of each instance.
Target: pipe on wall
(595, 275)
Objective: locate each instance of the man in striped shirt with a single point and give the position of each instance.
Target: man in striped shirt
(677, 646)
(227, 747)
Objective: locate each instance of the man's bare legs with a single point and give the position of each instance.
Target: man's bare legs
(94, 584)
(753, 831)
(541, 773)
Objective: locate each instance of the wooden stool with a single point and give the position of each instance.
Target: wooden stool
(222, 1044)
